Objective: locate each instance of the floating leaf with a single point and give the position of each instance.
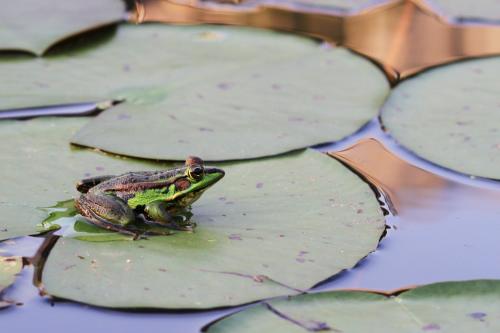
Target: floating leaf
(479, 10)
(34, 26)
(471, 306)
(271, 227)
(9, 267)
(219, 92)
(39, 169)
(451, 116)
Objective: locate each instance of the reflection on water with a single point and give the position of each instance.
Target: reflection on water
(403, 36)
(446, 227)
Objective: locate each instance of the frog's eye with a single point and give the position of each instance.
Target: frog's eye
(196, 172)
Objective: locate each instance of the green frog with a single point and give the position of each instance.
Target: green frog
(159, 198)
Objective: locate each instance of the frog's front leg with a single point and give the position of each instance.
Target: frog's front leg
(165, 214)
(108, 212)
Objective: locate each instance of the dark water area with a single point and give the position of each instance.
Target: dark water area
(444, 226)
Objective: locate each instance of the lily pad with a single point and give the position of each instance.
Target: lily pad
(271, 227)
(224, 93)
(471, 306)
(34, 26)
(450, 116)
(9, 267)
(464, 10)
(40, 168)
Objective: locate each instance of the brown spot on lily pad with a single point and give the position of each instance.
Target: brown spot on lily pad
(235, 237)
(123, 116)
(478, 315)
(431, 327)
(223, 86)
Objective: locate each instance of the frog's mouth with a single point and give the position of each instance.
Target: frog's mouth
(193, 192)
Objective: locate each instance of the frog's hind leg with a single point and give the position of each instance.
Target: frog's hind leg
(107, 212)
(84, 185)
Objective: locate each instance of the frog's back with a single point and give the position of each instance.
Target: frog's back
(139, 180)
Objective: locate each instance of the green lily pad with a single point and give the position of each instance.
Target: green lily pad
(40, 168)
(34, 26)
(271, 227)
(479, 10)
(450, 116)
(471, 306)
(224, 93)
(9, 267)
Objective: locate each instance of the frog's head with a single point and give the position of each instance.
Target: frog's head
(195, 180)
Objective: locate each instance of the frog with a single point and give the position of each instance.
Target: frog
(159, 198)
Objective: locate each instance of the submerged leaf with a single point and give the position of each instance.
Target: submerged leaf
(471, 306)
(34, 25)
(224, 93)
(271, 227)
(9, 268)
(39, 168)
(451, 116)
